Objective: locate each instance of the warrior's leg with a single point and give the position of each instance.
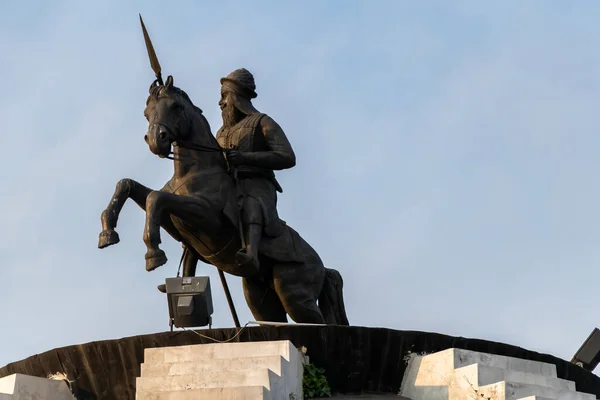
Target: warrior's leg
(252, 221)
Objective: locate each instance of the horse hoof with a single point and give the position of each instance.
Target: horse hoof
(107, 238)
(154, 259)
(162, 288)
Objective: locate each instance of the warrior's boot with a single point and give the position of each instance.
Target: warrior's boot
(247, 258)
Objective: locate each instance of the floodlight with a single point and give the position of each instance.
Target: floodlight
(190, 301)
(588, 355)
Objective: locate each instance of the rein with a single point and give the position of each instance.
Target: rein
(197, 147)
(206, 149)
(191, 146)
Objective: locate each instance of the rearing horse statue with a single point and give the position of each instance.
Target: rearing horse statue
(198, 207)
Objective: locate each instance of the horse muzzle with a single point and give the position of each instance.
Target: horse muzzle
(159, 140)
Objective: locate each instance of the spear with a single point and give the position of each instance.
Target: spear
(157, 71)
(151, 53)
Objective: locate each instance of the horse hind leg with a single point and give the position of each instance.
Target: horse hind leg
(331, 299)
(262, 300)
(298, 291)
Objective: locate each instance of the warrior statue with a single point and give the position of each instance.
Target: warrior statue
(255, 146)
(221, 203)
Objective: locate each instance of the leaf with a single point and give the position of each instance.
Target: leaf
(314, 382)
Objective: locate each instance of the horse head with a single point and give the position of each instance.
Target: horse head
(173, 119)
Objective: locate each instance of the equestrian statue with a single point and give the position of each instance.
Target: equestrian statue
(221, 202)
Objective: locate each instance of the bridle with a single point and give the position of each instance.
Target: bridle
(187, 145)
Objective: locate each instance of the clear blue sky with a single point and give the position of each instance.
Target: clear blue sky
(448, 155)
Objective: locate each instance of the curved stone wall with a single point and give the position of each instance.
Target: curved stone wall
(356, 359)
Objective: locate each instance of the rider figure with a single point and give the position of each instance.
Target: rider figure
(256, 146)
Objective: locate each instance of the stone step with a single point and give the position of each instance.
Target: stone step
(535, 398)
(21, 387)
(480, 375)
(434, 376)
(457, 358)
(283, 348)
(214, 379)
(515, 391)
(276, 364)
(364, 397)
(226, 393)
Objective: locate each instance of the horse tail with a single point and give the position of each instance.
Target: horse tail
(331, 299)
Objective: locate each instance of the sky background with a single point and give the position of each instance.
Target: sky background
(447, 159)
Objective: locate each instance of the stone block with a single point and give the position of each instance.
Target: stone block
(261, 377)
(276, 366)
(281, 348)
(517, 391)
(227, 393)
(25, 387)
(534, 398)
(455, 374)
(481, 375)
(451, 359)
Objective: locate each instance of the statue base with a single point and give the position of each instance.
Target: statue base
(356, 360)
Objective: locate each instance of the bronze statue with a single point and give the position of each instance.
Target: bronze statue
(221, 202)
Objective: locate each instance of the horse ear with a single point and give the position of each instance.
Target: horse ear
(169, 82)
(153, 84)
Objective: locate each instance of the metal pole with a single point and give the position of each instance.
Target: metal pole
(236, 321)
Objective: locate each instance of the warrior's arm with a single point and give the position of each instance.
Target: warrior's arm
(280, 154)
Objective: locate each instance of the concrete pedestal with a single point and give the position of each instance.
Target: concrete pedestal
(25, 387)
(456, 374)
(224, 371)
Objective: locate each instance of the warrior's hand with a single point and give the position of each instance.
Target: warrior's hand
(236, 158)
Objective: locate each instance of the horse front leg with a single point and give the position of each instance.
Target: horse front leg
(126, 189)
(159, 207)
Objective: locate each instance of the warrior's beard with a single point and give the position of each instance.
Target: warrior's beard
(231, 115)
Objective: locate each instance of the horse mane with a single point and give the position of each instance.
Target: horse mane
(156, 91)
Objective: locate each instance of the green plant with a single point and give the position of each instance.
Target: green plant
(314, 382)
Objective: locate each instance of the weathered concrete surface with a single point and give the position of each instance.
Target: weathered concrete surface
(456, 374)
(481, 375)
(23, 387)
(219, 351)
(275, 365)
(368, 397)
(229, 393)
(356, 359)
